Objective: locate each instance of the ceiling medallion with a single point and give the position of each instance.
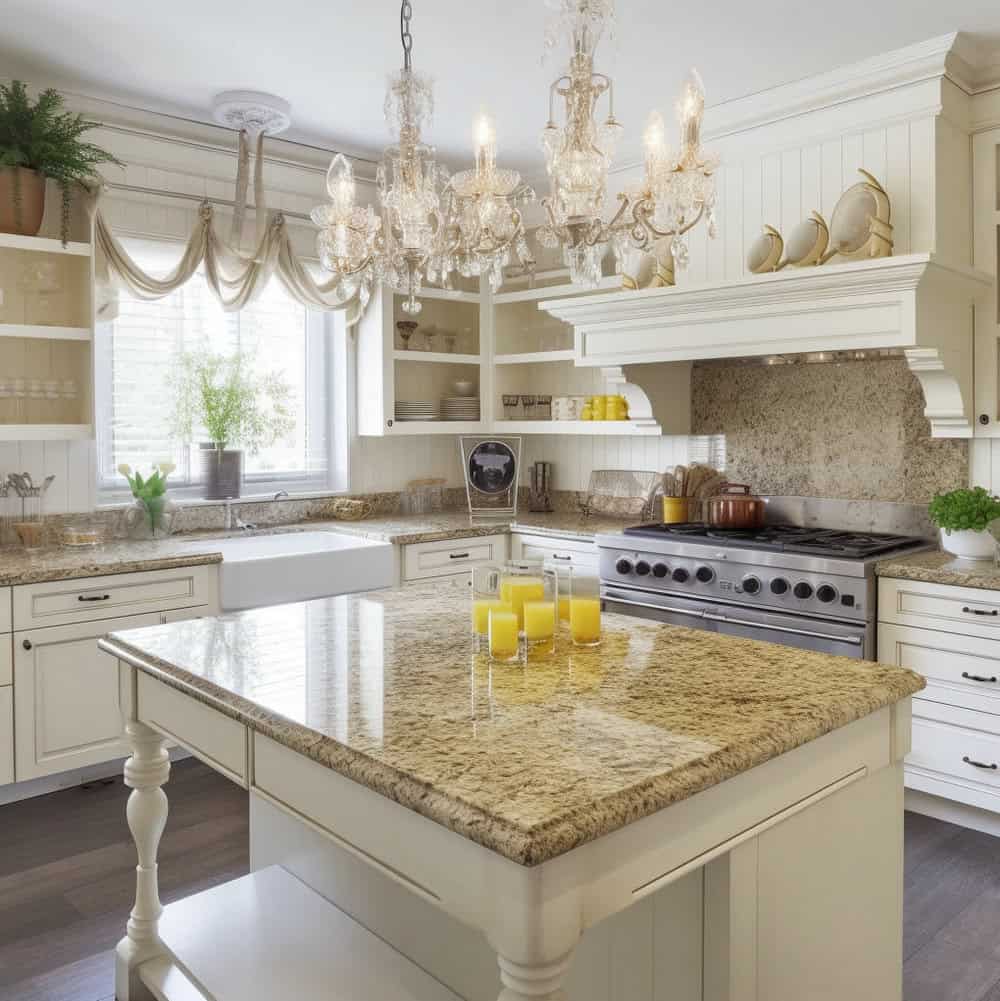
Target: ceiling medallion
(677, 188)
(252, 111)
(429, 225)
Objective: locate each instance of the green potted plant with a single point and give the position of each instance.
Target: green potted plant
(964, 517)
(38, 141)
(237, 407)
(152, 514)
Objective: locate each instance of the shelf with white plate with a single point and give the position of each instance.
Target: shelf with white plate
(45, 332)
(597, 428)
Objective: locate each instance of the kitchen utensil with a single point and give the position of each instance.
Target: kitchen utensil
(675, 510)
(735, 507)
(539, 499)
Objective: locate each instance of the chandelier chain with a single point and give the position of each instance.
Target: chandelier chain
(405, 35)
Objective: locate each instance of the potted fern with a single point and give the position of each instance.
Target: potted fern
(38, 141)
(235, 406)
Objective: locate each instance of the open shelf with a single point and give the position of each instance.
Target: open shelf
(440, 357)
(267, 936)
(534, 357)
(616, 428)
(438, 427)
(44, 332)
(44, 245)
(46, 432)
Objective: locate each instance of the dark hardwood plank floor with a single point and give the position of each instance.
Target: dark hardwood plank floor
(67, 875)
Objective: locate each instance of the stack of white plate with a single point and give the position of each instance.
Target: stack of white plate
(417, 410)
(460, 408)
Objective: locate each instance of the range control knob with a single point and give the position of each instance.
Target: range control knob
(680, 575)
(803, 590)
(826, 593)
(624, 566)
(660, 569)
(642, 568)
(705, 574)
(751, 584)
(779, 586)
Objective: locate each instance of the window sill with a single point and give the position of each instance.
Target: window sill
(192, 502)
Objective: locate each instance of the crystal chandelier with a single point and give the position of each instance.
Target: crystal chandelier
(429, 226)
(676, 191)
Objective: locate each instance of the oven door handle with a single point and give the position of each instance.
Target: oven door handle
(853, 640)
(612, 596)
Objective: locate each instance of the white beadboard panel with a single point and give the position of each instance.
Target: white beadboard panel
(984, 457)
(897, 183)
(922, 171)
(70, 462)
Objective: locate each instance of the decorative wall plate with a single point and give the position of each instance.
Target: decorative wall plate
(765, 252)
(860, 226)
(807, 243)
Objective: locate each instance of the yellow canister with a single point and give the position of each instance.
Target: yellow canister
(675, 510)
(599, 408)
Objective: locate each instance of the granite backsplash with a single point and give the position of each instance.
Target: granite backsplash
(853, 430)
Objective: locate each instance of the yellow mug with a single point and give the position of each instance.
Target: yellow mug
(675, 510)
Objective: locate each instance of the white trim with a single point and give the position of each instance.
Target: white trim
(951, 812)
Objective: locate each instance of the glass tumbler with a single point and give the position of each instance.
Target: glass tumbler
(522, 581)
(585, 609)
(485, 597)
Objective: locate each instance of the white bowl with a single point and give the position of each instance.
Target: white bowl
(463, 388)
(968, 545)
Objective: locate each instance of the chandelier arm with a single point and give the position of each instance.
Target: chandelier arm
(694, 222)
(624, 202)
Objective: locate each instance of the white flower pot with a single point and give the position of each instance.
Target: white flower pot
(968, 545)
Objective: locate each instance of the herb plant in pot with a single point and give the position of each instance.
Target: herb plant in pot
(964, 517)
(38, 141)
(235, 406)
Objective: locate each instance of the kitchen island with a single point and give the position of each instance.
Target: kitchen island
(692, 816)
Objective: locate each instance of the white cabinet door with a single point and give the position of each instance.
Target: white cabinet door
(6, 733)
(67, 708)
(558, 552)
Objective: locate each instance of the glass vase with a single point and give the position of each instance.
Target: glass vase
(150, 519)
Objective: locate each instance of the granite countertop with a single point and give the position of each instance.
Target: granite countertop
(384, 689)
(19, 566)
(937, 567)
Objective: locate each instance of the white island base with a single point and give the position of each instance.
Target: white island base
(783, 883)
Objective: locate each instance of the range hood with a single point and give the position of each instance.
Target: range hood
(913, 302)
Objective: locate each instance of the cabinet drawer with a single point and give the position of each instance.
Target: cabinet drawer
(440, 559)
(5, 611)
(6, 735)
(218, 740)
(961, 671)
(968, 610)
(963, 755)
(92, 598)
(557, 552)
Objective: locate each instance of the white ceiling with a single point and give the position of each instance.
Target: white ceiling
(330, 59)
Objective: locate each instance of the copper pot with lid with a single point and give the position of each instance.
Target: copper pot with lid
(735, 507)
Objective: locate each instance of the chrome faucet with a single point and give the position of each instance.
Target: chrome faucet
(234, 520)
(280, 494)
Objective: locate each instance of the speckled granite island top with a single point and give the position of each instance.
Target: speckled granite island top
(383, 688)
(936, 567)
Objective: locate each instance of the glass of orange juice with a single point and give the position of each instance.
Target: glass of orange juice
(503, 635)
(540, 618)
(585, 609)
(485, 595)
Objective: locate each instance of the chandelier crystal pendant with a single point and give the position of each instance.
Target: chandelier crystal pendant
(676, 190)
(429, 225)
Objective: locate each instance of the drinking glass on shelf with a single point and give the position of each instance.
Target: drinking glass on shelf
(6, 394)
(69, 395)
(528, 403)
(36, 394)
(449, 343)
(545, 408)
(510, 403)
(19, 390)
(585, 609)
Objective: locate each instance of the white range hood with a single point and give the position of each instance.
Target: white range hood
(912, 302)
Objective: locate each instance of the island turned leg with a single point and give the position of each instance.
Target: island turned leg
(146, 771)
(537, 982)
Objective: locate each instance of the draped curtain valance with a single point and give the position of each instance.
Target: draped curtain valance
(234, 277)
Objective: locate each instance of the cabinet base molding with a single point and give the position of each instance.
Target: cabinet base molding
(976, 819)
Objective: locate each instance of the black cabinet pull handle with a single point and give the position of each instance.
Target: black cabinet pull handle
(26, 644)
(980, 611)
(565, 559)
(93, 597)
(458, 556)
(979, 677)
(979, 764)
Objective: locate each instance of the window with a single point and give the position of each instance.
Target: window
(138, 349)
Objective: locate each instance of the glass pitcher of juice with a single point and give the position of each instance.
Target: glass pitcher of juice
(485, 597)
(522, 581)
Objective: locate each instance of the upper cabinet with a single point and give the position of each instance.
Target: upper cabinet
(46, 329)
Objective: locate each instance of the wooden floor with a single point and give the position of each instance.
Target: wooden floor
(67, 876)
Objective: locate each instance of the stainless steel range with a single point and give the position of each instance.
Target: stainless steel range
(804, 587)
